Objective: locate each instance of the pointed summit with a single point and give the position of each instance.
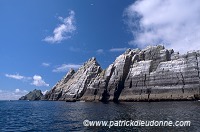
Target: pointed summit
(74, 84)
(153, 73)
(91, 61)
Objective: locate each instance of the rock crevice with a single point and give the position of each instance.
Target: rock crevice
(154, 73)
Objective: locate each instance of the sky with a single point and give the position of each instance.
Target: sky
(41, 40)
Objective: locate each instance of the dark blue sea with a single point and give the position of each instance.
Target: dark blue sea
(57, 116)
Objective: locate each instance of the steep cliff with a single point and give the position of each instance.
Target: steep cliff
(56, 92)
(154, 73)
(74, 84)
(109, 84)
(175, 78)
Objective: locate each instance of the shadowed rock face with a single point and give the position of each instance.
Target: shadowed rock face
(154, 73)
(33, 95)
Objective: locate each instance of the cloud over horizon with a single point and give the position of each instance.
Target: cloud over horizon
(66, 67)
(36, 79)
(12, 95)
(174, 23)
(64, 30)
(117, 49)
(15, 94)
(17, 77)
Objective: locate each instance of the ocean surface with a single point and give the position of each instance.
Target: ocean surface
(69, 116)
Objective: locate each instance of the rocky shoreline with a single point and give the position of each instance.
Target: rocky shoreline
(151, 74)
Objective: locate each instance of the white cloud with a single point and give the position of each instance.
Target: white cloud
(100, 51)
(117, 49)
(64, 30)
(17, 90)
(12, 95)
(20, 91)
(38, 81)
(45, 64)
(174, 23)
(66, 67)
(17, 76)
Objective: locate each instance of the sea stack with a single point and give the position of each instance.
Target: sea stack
(151, 74)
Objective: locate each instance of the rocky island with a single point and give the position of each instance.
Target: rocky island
(151, 74)
(33, 95)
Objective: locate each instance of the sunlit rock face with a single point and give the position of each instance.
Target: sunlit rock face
(74, 84)
(151, 74)
(170, 77)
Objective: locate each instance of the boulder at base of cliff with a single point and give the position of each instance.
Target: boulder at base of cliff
(33, 95)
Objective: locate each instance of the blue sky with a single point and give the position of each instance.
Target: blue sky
(34, 56)
(41, 39)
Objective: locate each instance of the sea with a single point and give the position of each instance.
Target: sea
(60, 116)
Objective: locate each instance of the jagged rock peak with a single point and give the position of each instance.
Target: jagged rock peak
(74, 84)
(66, 77)
(130, 51)
(150, 47)
(70, 72)
(153, 73)
(91, 61)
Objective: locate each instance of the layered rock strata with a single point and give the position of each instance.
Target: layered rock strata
(74, 84)
(151, 74)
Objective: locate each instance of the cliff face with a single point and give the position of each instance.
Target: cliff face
(174, 78)
(74, 85)
(33, 95)
(153, 73)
